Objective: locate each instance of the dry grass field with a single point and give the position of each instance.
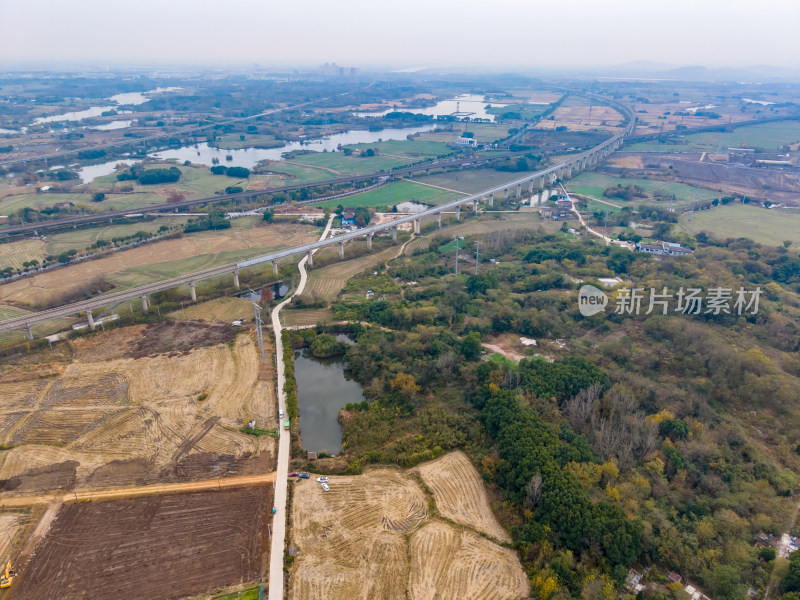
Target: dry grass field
(577, 115)
(136, 405)
(460, 495)
(306, 318)
(152, 262)
(372, 536)
(219, 309)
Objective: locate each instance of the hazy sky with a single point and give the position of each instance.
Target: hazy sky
(409, 33)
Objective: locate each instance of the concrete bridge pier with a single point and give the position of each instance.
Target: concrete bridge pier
(28, 332)
(274, 267)
(458, 213)
(491, 200)
(439, 219)
(145, 305)
(193, 292)
(341, 250)
(505, 194)
(90, 318)
(519, 190)
(310, 258)
(530, 186)
(394, 234)
(475, 206)
(417, 226)
(236, 279)
(569, 170)
(369, 241)
(541, 183)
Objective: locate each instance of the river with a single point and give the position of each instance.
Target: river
(470, 106)
(249, 157)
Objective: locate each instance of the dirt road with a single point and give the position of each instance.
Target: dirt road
(282, 466)
(141, 490)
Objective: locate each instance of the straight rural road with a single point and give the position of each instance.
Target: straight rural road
(141, 490)
(282, 467)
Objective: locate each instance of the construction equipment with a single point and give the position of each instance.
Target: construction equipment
(7, 577)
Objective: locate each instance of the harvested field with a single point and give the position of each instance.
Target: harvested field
(326, 283)
(141, 404)
(152, 547)
(13, 254)
(159, 260)
(301, 318)
(371, 537)
(12, 525)
(219, 309)
(460, 495)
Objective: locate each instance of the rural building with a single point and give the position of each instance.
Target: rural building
(662, 249)
(465, 142)
(674, 577)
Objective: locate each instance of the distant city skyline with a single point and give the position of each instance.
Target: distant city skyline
(371, 35)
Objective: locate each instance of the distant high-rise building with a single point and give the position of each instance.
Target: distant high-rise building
(334, 70)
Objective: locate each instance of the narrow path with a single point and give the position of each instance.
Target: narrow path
(300, 164)
(606, 241)
(438, 187)
(282, 466)
(599, 200)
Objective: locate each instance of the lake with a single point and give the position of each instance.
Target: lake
(322, 391)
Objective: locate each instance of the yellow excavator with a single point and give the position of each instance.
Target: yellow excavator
(7, 577)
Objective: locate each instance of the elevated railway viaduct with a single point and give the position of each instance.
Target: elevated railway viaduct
(538, 180)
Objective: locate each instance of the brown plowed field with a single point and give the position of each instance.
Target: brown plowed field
(128, 408)
(151, 548)
(372, 537)
(460, 495)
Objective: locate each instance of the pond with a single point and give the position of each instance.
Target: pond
(128, 98)
(323, 390)
(278, 291)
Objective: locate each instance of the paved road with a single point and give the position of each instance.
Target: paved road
(282, 467)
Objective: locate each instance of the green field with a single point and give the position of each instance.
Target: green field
(415, 149)
(768, 136)
(336, 163)
(484, 132)
(194, 183)
(79, 239)
(590, 183)
(400, 191)
(770, 227)
(474, 181)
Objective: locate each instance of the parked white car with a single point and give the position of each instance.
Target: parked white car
(326, 487)
(322, 479)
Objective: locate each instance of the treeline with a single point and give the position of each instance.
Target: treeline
(150, 176)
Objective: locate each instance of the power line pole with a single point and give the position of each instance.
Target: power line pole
(477, 248)
(457, 238)
(605, 227)
(259, 332)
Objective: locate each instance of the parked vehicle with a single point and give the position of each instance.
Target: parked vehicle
(326, 487)
(294, 474)
(304, 475)
(280, 414)
(322, 479)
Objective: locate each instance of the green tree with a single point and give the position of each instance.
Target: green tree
(471, 346)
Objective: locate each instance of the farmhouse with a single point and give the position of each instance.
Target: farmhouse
(663, 249)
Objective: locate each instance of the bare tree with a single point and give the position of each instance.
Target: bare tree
(533, 492)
